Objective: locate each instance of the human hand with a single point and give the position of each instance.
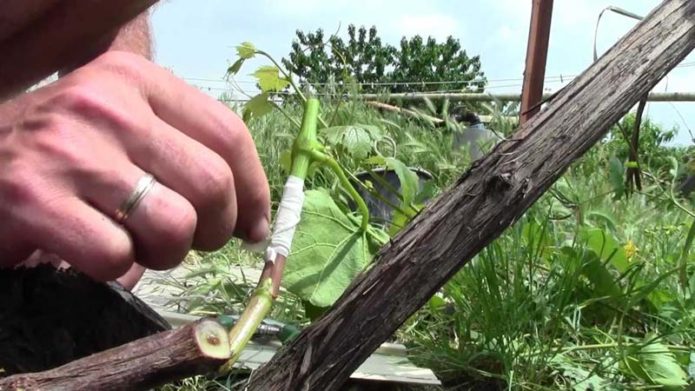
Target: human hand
(73, 151)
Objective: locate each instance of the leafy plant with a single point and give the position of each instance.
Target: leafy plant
(446, 64)
(365, 60)
(356, 141)
(329, 250)
(332, 245)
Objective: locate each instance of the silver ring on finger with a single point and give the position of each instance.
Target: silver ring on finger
(144, 185)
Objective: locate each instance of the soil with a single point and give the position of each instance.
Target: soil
(49, 318)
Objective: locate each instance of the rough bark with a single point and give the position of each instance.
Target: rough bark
(487, 199)
(194, 349)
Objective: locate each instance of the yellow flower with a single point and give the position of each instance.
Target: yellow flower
(630, 249)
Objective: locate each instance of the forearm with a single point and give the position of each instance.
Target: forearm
(61, 35)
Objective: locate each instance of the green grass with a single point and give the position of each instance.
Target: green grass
(537, 310)
(581, 293)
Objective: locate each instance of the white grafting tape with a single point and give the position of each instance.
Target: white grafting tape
(286, 219)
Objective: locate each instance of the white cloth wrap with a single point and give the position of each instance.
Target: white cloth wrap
(286, 219)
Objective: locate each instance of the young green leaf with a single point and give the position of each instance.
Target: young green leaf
(352, 139)
(234, 69)
(256, 107)
(246, 50)
(269, 79)
(355, 140)
(328, 250)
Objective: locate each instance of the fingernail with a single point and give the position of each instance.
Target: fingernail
(260, 231)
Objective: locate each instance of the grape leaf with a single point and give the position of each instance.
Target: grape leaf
(234, 69)
(356, 140)
(246, 50)
(328, 251)
(269, 79)
(256, 107)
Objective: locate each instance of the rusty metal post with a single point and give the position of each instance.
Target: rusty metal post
(536, 56)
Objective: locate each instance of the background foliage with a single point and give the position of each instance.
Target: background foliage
(593, 289)
(363, 60)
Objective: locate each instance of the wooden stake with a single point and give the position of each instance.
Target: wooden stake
(194, 349)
